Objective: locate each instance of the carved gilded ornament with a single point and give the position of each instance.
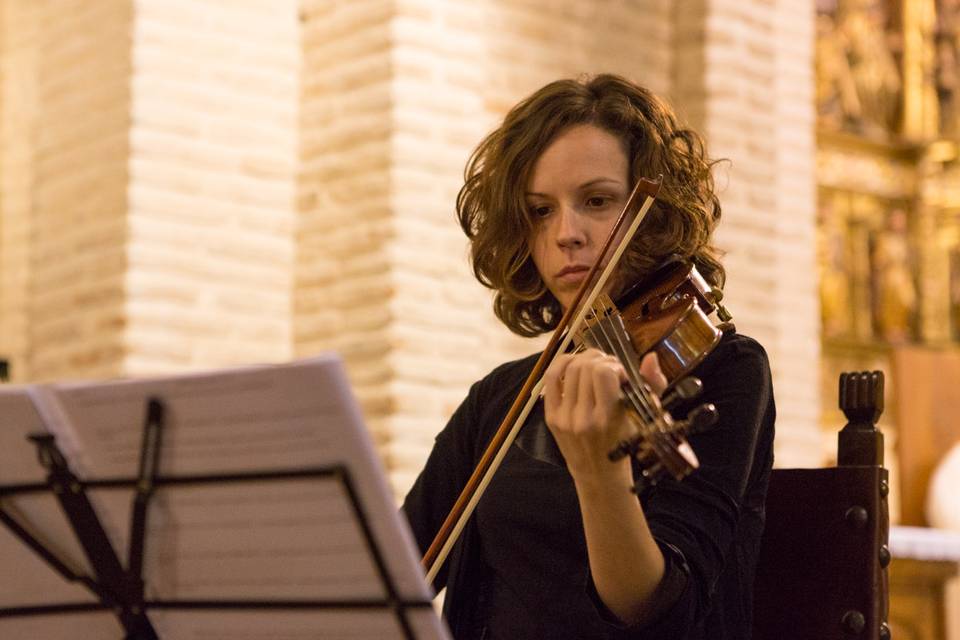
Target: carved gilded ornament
(859, 81)
(864, 172)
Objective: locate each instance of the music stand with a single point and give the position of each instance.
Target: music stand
(122, 590)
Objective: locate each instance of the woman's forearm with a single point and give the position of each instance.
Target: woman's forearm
(625, 561)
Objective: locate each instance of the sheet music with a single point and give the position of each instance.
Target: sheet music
(26, 579)
(275, 540)
(290, 539)
(70, 626)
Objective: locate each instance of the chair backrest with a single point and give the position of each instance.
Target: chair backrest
(822, 572)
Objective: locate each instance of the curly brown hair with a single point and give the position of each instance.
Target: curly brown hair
(491, 205)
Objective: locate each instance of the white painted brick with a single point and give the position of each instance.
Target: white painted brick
(280, 178)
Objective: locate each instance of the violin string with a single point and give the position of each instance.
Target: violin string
(642, 408)
(645, 419)
(600, 337)
(625, 344)
(648, 423)
(625, 349)
(605, 345)
(627, 356)
(610, 323)
(653, 428)
(607, 332)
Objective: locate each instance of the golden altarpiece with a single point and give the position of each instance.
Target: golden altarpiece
(888, 174)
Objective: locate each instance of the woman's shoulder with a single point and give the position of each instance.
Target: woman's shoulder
(512, 370)
(737, 349)
(503, 380)
(741, 343)
(736, 372)
(487, 402)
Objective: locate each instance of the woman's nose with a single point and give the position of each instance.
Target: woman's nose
(570, 232)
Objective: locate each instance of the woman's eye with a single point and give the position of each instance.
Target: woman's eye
(540, 211)
(597, 201)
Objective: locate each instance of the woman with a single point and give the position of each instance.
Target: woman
(558, 547)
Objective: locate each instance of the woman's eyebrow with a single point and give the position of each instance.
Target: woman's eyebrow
(585, 185)
(596, 181)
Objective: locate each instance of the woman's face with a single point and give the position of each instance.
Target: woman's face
(576, 191)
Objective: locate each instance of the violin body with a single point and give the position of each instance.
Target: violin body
(667, 313)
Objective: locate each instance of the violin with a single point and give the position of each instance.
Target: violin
(667, 313)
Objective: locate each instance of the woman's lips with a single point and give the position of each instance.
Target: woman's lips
(573, 273)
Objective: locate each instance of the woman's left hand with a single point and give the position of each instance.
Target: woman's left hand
(583, 409)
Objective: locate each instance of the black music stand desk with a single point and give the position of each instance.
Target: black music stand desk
(249, 503)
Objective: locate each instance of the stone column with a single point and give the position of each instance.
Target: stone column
(149, 163)
(343, 274)
(215, 91)
(744, 76)
(65, 122)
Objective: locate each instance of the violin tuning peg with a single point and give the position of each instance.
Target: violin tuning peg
(701, 418)
(689, 387)
(722, 313)
(685, 389)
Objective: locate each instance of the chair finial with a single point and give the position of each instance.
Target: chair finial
(861, 400)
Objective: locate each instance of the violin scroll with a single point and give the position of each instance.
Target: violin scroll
(665, 451)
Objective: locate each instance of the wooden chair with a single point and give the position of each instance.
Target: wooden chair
(822, 570)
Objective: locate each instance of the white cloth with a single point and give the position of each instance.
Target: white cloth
(943, 492)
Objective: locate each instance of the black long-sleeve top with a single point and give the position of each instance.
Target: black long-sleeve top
(521, 570)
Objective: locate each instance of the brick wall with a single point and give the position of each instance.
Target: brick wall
(796, 348)
(149, 197)
(343, 277)
(235, 182)
(19, 36)
(212, 183)
(66, 103)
